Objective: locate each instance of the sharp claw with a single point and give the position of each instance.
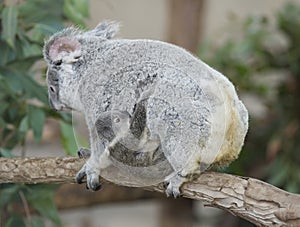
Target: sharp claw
(92, 176)
(98, 187)
(80, 175)
(173, 185)
(93, 184)
(165, 184)
(94, 187)
(172, 191)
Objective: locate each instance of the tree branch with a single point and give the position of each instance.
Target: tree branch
(248, 198)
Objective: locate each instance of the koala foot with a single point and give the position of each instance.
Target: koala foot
(84, 153)
(92, 177)
(173, 185)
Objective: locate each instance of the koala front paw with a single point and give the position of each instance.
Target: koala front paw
(84, 153)
(92, 177)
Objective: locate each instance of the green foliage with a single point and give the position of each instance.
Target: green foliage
(68, 138)
(257, 52)
(24, 103)
(38, 197)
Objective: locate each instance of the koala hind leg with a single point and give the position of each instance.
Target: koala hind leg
(173, 184)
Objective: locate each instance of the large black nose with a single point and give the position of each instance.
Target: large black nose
(52, 76)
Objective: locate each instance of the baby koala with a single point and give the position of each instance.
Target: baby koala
(126, 141)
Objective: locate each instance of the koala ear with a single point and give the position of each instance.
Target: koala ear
(106, 29)
(65, 49)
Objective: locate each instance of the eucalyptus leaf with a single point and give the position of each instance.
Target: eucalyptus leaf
(24, 125)
(31, 50)
(36, 119)
(7, 194)
(42, 201)
(5, 153)
(54, 11)
(9, 24)
(68, 138)
(24, 83)
(7, 54)
(40, 30)
(82, 7)
(72, 13)
(15, 220)
(36, 222)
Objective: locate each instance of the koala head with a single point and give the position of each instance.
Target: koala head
(66, 53)
(113, 124)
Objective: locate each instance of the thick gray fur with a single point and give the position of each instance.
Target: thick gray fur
(173, 109)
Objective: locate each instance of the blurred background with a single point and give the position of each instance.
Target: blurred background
(254, 43)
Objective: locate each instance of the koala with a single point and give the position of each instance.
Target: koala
(155, 113)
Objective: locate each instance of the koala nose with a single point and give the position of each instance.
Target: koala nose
(52, 75)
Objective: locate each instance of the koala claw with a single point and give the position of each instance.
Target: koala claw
(84, 153)
(92, 178)
(80, 175)
(173, 185)
(172, 191)
(93, 183)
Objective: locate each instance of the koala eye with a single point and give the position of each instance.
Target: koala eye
(52, 89)
(116, 120)
(58, 62)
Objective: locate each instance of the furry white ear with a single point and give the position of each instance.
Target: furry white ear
(65, 49)
(106, 29)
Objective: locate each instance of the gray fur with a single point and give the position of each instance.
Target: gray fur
(176, 114)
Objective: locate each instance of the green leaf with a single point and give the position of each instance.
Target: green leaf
(34, 11)
(7, 53)
(15, 220)
(36, 121)
(5, 153)
(41, 198)
(31, 50)
(40, 30)
(9, 24)
(7, 195)
(24, 125)
(68, 138)
(72, 12)
(19, 82)
(82, 7)
(36, 222)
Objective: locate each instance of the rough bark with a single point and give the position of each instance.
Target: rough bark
(251, 199)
